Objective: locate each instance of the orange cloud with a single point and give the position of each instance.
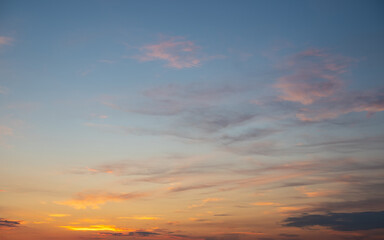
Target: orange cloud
(59, 215)
(177, 52)
(249, 233)
(324, 193)
(265, 204)
(94, 200)
(111, 228)
(290, 209)
(205, 201)
(141, 218)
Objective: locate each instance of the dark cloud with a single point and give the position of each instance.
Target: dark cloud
(211, 120)
(368, 204)
(137, 233)
(143, 234)
(340, 221)
(250, 134)
(288, 235)
(192, 187)
(224, 237)
(7, 223)
(348, 144)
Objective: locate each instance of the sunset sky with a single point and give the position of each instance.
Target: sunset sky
(191, 120)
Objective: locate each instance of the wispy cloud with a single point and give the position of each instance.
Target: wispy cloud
(343, 103)
(316, 193)
(315, 80)
(5, 132)
(5, 40)
(177, 52)
(95, 199)
(265, 204)
(174, 99)
(141, 218)
(315, 75)
(205, 201)
(136, 233)
(347, 144)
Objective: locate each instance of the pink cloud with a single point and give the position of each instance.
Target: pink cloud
(313, 75)
(314, 79)
(5, 132)
(176, 52)
(346, 102)
(5, 40)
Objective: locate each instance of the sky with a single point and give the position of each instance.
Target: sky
(191, 120)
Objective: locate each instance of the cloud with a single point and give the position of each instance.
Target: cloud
(318, 193)
(314, 75)
(340, 221)
(5, 132)
(348, 144)
(192, 187)
(8, 223)
(5, 40)
(249, 134)
(371, 204)
(265, 204)
(288, 235)
(173, 99)
(141, 218)
(222, 215)
(95, 199)
(256, 148)
(344, 103)
(177, 52)
(237, 236)
(314, 79)
(111, 228)
(214, 120)
(59, 215)
(205, 201)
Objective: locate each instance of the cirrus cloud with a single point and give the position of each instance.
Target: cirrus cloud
(176, 52)
(5, 40)
(95, 199)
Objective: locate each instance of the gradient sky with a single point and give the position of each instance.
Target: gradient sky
(191, 120)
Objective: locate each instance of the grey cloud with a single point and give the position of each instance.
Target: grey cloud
(340, 221)
(8, 223)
